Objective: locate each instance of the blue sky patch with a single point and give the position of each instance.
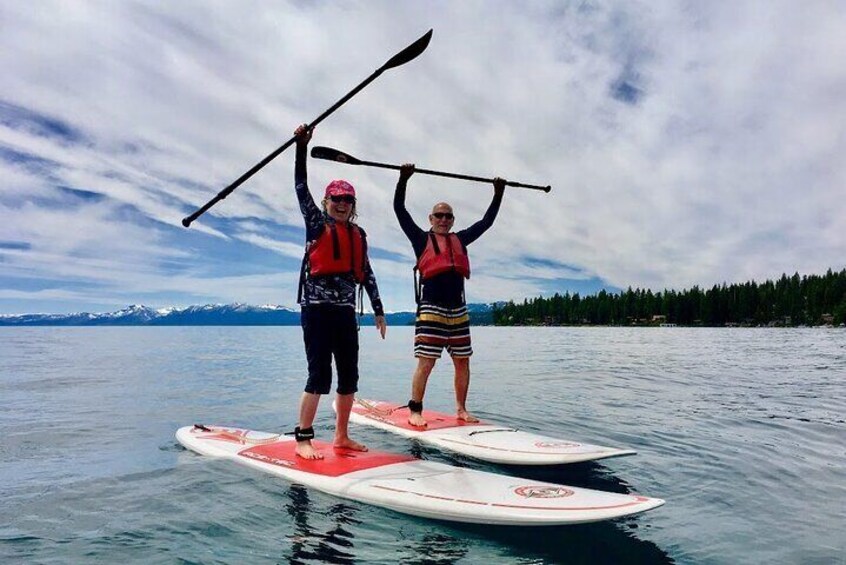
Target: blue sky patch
(214, 257)
(538, 262)
(28, 160)
(584, 287)
(78, 193)
(18, 117)
(15, 245)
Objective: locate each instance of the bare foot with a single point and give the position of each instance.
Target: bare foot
(467, 417)
(306, 450)
(347, 443)
(416, 419)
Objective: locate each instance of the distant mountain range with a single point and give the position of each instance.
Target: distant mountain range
(208, 315)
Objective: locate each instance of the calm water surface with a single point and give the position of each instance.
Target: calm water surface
(742, 431)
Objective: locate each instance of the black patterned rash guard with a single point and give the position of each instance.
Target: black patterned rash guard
(338, 290)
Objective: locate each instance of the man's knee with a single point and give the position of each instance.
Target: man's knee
(461, 362)
(426, 364)
(427, 361)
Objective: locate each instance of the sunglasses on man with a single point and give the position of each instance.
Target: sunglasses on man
(443, 215)
(342, 198)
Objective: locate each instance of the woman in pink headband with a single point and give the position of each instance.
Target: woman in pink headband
(335, 263)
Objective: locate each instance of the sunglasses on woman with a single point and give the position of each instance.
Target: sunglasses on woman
(342, 198)
(442, 215)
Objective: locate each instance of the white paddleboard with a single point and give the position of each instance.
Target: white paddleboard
(483, 441)
(413, 486)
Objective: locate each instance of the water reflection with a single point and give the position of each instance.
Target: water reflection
(423, 451)
(435, 549)
(594, 544)
(308, 543)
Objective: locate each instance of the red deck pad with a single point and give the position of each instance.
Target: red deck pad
(335, 462)
(397, 415)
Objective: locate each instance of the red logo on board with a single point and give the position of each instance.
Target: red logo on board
(555, 444)
(530, 491)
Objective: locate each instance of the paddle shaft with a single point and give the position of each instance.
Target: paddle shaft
(453, 175)
(228, 190)
(396, 60)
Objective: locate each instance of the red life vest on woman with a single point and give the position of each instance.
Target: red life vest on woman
(443, 253)
(340, 249)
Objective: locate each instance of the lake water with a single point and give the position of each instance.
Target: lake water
(742, 431)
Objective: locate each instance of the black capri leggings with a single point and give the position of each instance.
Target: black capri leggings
(330, 330)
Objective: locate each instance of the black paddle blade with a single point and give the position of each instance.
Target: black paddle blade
(333, 155)
(409, 52)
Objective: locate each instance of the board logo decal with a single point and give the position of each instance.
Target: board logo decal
(268, 459)
(530, 491)
(556, 444)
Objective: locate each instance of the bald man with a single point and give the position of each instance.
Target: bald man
(442, 320)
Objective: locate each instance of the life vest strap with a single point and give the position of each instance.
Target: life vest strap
(303, 271)
(336, 243)
(360, 306)
(435, 246)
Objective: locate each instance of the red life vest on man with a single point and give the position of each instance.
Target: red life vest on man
(340, 249)
(443, 253)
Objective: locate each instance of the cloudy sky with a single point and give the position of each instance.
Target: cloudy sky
(687, 143)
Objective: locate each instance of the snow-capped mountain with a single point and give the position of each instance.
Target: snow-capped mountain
(138, 315)
(206, 315)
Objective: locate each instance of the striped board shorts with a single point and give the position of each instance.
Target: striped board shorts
(437, 328)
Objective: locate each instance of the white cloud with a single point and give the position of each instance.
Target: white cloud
(281, 247)
(727, 167)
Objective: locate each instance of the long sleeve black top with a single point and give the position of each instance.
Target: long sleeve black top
(331, 289)
(446, 289)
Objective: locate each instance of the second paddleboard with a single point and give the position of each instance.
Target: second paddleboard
(484, 441)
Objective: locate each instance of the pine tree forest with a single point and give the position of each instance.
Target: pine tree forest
(810, 300)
